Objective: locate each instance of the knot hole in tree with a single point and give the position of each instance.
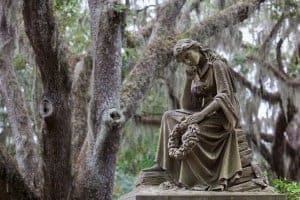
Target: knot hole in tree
(115, 115)
(46, 108)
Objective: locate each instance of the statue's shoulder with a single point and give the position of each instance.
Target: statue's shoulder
(219, 64)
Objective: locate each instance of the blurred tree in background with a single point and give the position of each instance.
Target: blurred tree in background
(260, 39)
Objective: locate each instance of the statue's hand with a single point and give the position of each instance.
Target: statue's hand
(190, 72)
(195, 118)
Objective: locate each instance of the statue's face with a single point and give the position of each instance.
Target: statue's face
(191, 57)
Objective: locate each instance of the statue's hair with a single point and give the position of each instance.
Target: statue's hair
(186, 44)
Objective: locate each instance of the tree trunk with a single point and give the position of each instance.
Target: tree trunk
(56, 104)
(27, 155)
(95, 176)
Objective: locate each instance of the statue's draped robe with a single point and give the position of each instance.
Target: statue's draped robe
(215, 159)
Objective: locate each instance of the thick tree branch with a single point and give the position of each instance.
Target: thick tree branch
(27, 155)
(55, 108)
(12, 185)
(157, 55)
(228, 17)
(95, 176)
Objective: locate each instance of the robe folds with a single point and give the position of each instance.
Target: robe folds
(215, 159)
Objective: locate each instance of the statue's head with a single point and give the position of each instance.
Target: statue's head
(189, 52)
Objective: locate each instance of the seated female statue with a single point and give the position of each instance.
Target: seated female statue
(197, 144)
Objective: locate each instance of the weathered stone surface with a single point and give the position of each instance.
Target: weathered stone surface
(249, 185)
(154, 193)
(241, 136)
(243, 146)
(246, 158)
(246, 176)
(152, 178)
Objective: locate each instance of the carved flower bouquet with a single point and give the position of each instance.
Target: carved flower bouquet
(183, 139)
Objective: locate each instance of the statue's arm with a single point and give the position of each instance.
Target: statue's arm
(223, 89)
(199, 116)
(188, 100)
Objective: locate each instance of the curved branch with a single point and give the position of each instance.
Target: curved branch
(265, 46)
(281, 76)
(272, 98)
(278, 55)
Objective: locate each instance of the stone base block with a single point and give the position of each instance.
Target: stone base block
(154, 193)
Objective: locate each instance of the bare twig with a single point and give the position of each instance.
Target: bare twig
(278, 55)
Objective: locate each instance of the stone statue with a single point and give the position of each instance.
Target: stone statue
(197, 144)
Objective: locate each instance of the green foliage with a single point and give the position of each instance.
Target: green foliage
(155, 101)
(137, 151)
(182, 35)
(239, 58)
(292, 189)
(120, 8)
(128, 56)
(73, 20)
(294, 69)
(288, 7)
(19, 62)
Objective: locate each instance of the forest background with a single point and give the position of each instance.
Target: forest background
(260, 40)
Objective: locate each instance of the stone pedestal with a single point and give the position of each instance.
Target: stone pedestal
(155, 193)
(251, 186)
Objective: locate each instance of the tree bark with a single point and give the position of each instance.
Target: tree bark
(12, 185)
(228, 17)
(81, 97)
(27, 155)
(55, 108)
(157, 55)
(279, 146)
(95, 176)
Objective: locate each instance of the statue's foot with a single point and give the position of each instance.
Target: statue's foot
(200, 187)
(155, 167)
(171, 185)
(218, 187)
(234, 178)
